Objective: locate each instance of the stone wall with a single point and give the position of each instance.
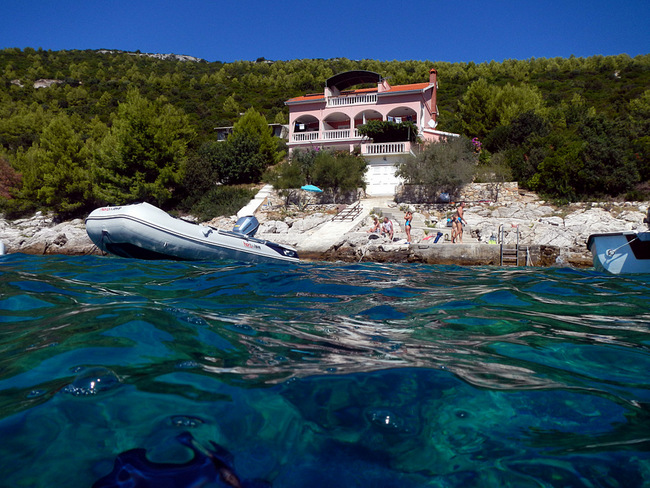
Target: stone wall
(507, 192)
(502, 193)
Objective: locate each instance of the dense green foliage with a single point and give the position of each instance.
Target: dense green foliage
(8, 178)
(222, 200)
(246, 153)
(441, 168)
(337, 172)
(485, 106)
(141, 156)
(388, 131)
(241, 159)
(123, 126)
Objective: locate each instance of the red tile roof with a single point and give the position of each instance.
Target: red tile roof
(315, 97)
(412, 87)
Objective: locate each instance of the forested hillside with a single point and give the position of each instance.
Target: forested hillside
(124, 125)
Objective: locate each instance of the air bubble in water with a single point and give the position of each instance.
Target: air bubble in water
(385, 420)
(185, 421)
(92, 381)
(187, 365)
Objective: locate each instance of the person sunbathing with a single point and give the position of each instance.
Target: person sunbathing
(375, 227)
(387, 228)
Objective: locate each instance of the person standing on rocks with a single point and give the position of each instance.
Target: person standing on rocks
(408, 217)
(457, 224)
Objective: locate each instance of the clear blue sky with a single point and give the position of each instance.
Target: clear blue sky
(215, 30)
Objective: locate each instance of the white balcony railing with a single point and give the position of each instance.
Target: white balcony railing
(329, 135)
(352, 100)
(386, 148)
(305, 136)
(326, 135)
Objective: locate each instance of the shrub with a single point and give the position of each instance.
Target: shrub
(339, 172)
(387, 131)
(222, 200)
(443, 167)
(199, 177)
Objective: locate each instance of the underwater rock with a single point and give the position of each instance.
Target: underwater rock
(132, 469)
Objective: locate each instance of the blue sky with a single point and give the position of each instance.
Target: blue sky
(453, 30)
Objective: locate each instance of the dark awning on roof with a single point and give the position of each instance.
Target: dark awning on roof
(352, 78)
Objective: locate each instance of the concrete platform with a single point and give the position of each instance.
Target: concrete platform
(331, 233)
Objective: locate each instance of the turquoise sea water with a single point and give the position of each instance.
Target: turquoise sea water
(323, 374)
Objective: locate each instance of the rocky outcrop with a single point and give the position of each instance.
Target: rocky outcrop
(41, 235)
(567, 228)
(550, 235)
(46, 83)
(165, 57)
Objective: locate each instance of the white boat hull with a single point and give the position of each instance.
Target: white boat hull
(146, 232)
(621, 252)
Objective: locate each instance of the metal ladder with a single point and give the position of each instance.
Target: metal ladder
(510, 253)
(350, 212)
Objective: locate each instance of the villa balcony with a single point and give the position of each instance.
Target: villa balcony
(345, 101)
(386, 148)
(327, 135)
(351, 137)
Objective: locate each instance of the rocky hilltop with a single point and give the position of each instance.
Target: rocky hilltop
(166, 57)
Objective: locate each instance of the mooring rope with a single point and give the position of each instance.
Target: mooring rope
(612, 252)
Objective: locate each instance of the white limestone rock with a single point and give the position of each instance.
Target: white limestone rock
(273, 227)
(556, 221)
(310, 222)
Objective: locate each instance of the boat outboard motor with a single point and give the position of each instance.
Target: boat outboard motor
(247, 226)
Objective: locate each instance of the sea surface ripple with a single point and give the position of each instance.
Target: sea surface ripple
(324, 374)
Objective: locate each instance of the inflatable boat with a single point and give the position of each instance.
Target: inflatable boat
(143, 231)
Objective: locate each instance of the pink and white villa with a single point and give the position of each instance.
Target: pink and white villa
(331, 120)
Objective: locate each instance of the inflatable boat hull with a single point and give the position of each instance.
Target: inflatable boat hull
(143, 231)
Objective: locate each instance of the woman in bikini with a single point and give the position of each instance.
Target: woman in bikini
(408, 217)
(457, 225)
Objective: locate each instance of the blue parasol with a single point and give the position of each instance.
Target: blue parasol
(311, 188)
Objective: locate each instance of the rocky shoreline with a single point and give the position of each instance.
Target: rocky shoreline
(550, 235)
(41, 235)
